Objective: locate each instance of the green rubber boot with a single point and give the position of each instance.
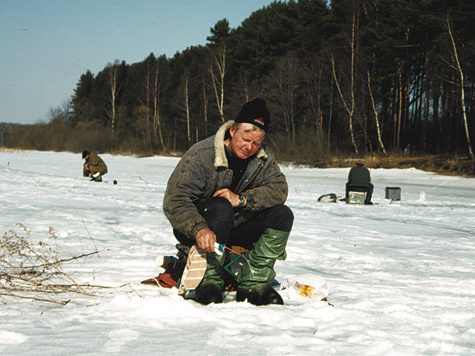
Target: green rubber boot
(211, 287)
(258, 272)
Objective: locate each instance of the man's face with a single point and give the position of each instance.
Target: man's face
(244, 142)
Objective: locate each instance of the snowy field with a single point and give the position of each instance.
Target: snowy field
(401, 274)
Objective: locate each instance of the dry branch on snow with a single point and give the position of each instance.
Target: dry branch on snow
(34, 271)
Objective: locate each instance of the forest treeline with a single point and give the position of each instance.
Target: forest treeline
(352, 77)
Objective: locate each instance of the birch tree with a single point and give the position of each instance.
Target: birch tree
(218, 71)
(205, 102)
(112, 81)
(376, 118)
(187, 107)
(157, 122)
(458, 68)
(349, 104)
(182, 102)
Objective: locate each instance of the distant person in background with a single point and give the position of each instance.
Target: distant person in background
(94, 166)
(359, 180)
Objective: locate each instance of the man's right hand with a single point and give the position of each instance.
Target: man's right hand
(205, 238)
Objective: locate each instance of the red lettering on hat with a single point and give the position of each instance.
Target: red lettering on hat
(259, 120)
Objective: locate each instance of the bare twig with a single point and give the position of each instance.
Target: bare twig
(94, 242)
(28, 270)
(38, 299)
(70, 259)
(143, 180)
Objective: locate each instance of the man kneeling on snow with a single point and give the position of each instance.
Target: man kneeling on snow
(94, 167)
(229, 189)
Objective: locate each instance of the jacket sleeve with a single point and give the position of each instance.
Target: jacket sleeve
(96, 164)
(269, 189)
(185, 187)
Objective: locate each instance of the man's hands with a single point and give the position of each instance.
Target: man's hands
(229, 195)
(205, 238)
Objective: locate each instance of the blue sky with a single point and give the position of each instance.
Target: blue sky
(46, 46)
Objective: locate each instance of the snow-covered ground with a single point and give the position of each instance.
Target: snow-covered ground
(401, 274)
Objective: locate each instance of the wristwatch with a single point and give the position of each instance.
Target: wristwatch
(242, 201)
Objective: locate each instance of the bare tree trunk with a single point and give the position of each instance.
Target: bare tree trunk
(205, 106)
(330, 114)
(218, 78)
(187, 110)
(113, 86)
(399, 113)
(378, 130)
(246, 89)
(148, 132)
(459, 70)
(314, 86)
(351, 107)
(157, 125)
(352, 87)
(394, 112)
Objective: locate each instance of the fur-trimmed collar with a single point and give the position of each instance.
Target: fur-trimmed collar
(220, 159)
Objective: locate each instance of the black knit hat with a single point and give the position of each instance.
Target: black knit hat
(84, 154)
(255, 112)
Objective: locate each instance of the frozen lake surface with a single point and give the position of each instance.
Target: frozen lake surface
(401, 274)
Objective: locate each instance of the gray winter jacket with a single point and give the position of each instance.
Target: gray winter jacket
(204, 169)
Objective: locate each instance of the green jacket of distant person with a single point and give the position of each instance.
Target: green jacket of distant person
(93, 164)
